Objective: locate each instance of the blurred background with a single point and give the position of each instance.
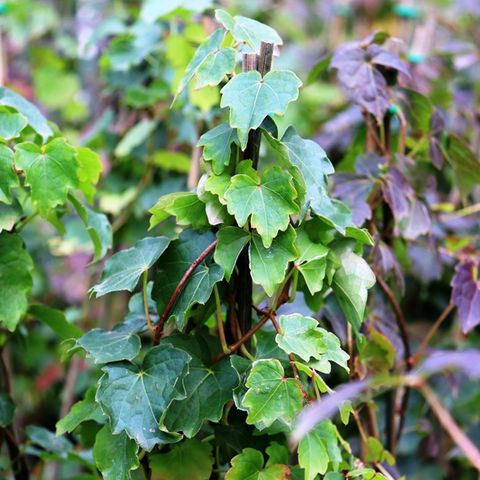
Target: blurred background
(106, 73)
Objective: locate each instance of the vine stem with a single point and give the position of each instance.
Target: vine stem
(178, 291)
(409, 361)
(218, 315)
(450, 426)
(423, 346)
(145, 301)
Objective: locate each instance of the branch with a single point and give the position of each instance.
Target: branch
(451, 427)
(178, 290)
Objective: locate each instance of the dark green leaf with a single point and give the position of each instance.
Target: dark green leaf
(217, 144)
(7, 409)
(231, 241)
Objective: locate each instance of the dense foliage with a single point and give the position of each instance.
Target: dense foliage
(192, 287)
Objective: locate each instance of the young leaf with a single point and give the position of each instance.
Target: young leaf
(210, 63)
(318, 448)
(16, 268)
(51, 171)
(115, 455)
(247, 30)
(135, 398)
(271, 396)
(36, 120)
(351, 283)
(11, 124)
(123, 270)
(249, 465)
(251, 98)
(466, 294)
(207, 390)
(312, 261)
(90, 167)
(186, 206)
(82, 411)
(268, 265)
(217, 144)
(8, 177)
(106, 346)
(268, 201)
(231, 241)
(302, 336)
(190, 459)
(175, 262)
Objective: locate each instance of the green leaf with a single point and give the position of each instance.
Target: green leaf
(210, 63)
(172, 161)
(56, 320)
(82, 411)
(90, 167)
(8, 177)
(7, 409)
(176, 260)
(135, 398)
(190, 459)
(318, 448)
(312, 262)
(123, 270)
(207, 389)
(98, 228)
(248, 465)
(251, 98)
(216, 212)
(218, 185)
(247, 30)
(50, 170)
(135, 137)
(302, 336)
(271, 396)
(217, 144)
(106, 346)
(16, 267)
(9, 215)
(465, 164)
(11, 123)
(351, 283)
(375, 452)
(186, 206)
(269, 265)
(231, 241)
(333, 353)
(115, 455)
(268, 201)
(36, 120)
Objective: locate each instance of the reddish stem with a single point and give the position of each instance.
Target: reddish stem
(178, 291)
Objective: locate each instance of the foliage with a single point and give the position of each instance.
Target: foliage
(210, 269)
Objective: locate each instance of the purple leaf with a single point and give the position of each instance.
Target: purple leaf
(354, 191)
(388, 264)
(425, 262)
(369, 164)
(326, 408)
(396, 191)
(380, 56)
(418, 221)
(467, 361)
(466, 294)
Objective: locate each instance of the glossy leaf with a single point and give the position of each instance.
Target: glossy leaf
(251, 98)
(267, 201)
(185, 206)
(250, 465)
(351, 283)
(115, 455)
(16, 267)
(8, 177)
(51, 171)
(123, 270)
(175, 262)
(269, 265)
(36, 120)
(136, 397)
(247, 30)
(231, 241)
(271, 396)
(217, 144)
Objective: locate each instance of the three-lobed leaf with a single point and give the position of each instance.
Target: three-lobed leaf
(250, 465)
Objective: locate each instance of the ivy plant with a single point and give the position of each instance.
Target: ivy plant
(216, 359)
